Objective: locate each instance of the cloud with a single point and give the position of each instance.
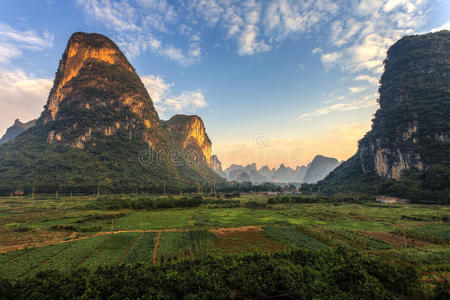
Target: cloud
(13, 42)
(330, 57)
(135, 28)
(370, 79)
(22, 96)
(359, 39)
(167, 102)
(365, 102)
(445, 26)
(356, 89)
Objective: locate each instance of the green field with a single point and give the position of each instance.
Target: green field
(67, 234)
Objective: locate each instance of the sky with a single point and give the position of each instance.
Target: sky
(275, 81)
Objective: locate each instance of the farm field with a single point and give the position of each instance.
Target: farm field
(67, 234)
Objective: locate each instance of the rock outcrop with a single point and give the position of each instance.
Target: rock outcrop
(16, 129)
(188, 133)
(414, 107)
(216, 166)
(100, 122)
(96, 93)
(407, 151)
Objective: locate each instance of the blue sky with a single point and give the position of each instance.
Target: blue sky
(275, 81)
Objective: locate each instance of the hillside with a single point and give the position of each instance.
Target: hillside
(407, 151)
(99, 126)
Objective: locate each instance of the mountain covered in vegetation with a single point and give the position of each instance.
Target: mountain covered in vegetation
(99, 127)
(407, 151)
(16, 129)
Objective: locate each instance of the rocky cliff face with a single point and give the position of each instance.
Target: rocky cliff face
(96, 93)
(414, 107)
(16, 129)
(188, 133)
(216, 166)
(100, 122)
(407, 152)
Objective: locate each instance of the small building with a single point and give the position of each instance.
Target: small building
(391, 200)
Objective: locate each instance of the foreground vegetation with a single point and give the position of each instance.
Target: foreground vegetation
(87, 245)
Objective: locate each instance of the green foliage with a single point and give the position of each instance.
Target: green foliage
(293, 238)
(175, 245)
(112, 251)
(142, 251)
(300, 274)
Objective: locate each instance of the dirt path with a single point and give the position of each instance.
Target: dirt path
(155, 250)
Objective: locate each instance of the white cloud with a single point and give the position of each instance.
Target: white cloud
(445, 26)
(330, 57)
(370, 79)
(22, 96)
(365, 102)
(119, 16)
(13, 42)
(135, 27)
(166, 102)
(356, 89)
(360, 38)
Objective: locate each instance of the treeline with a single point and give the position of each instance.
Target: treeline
(317, 198)
(116, 202)
(331, 274)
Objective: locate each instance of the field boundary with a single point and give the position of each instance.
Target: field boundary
(131, 248)
(92, 252)
(155, 249)
(47, 260)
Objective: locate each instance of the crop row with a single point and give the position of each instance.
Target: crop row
(293, 238)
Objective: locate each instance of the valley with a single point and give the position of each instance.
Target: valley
(67, 233)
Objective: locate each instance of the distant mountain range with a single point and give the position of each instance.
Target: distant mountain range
(316, 170)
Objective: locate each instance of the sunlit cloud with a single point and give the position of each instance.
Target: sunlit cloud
(166, 102)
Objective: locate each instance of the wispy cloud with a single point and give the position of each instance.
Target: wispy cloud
(364, 102)
(13, 42)
(445, 26)
(167, 102)
(359, 40)
(135, 27)
(370, 79)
